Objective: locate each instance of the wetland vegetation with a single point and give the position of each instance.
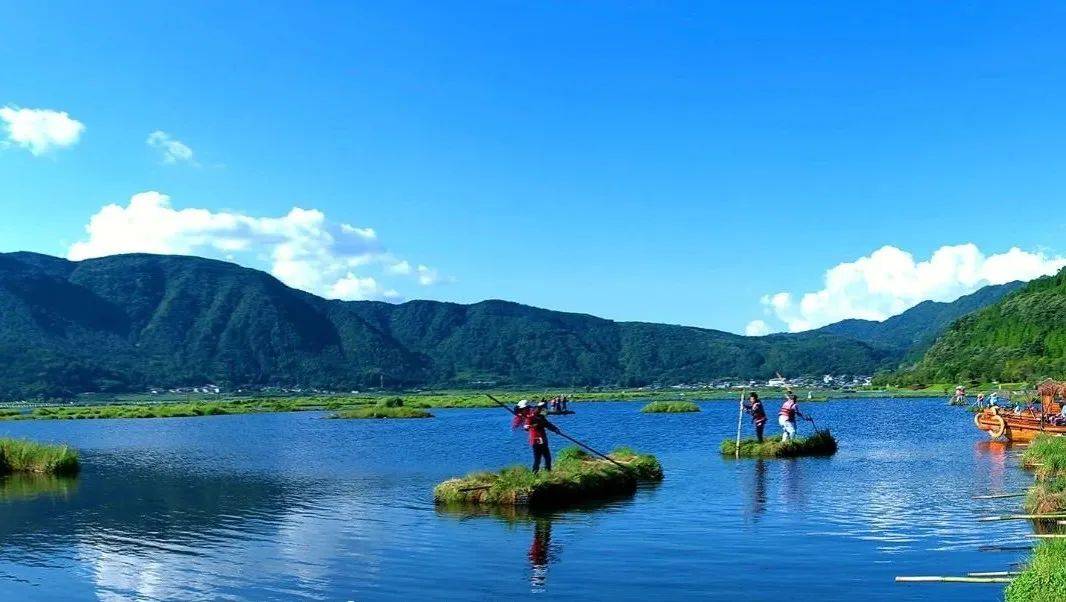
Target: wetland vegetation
(576, 478)
(821, 443)
(22, 456)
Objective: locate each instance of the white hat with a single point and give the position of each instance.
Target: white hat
(523, 404)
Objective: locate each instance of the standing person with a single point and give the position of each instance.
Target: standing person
(787, 418)
(758, 413)
(538, 426)
(521, 414)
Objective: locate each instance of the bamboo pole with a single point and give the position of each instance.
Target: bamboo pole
(1047, 535)
(995, 574)
(740, 416)
(989, 519)
(951, 579)
(996, 496)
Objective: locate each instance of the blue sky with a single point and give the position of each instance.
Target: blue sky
(639, 161)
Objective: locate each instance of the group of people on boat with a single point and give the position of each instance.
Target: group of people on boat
(786, 416)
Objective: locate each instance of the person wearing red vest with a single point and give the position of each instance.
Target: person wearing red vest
(538, 426)
(787, 417)
(758, 413)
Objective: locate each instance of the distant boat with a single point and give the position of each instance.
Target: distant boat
(560, 412)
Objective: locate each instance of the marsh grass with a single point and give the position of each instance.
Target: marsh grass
(670, 407)
(1044, 578)
(576, 478)
(821, 443)
(19, 455)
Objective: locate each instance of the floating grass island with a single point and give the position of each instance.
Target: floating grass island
(382, 412)
(820, 443)
(21, 456)
(670, 407)
(577, 477)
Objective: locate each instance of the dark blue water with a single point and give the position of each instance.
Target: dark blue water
(285, 506)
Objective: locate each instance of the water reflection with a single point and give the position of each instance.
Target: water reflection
(30, 486)
(540, 554)
(757, 505)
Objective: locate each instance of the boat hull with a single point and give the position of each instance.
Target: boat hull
(1015, 427)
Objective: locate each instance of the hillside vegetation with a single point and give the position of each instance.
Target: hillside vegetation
(1020, 338)
(131, 322)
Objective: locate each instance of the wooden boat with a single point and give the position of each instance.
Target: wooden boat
(560, 412)
(1030, 422)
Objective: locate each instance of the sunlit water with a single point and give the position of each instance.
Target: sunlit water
(285, 506)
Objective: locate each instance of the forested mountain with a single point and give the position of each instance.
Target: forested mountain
(129, 322)
(914, 330)
(1020, 338)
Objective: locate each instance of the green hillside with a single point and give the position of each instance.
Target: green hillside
(915, 330)
(130, 322)
(1020, 338)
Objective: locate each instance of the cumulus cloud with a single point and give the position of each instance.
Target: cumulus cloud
(301, 248)
(757, 328)
(890, 281)
(39, 130)
(172, 151)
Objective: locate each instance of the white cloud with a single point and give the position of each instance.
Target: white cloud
(302, 248)
(890, 281)
(172, 151)
(400, 267)
(353, 287)
(756, 328)
(39, 130)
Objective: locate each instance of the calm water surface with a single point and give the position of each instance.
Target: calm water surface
(285, 506)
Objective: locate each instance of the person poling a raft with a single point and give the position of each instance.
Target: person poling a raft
(787, 417)
(538, 426)
(758, 414)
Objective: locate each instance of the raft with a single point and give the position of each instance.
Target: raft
(576, 478)
(560, 412)
(821, 443)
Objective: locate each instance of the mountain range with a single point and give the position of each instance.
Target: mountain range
(130, 322)
(1020, 338)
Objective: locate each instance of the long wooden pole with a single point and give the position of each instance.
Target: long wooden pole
(562, 434)
(740, 417)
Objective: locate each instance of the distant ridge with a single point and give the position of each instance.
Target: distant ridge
(129, 322)
(1021, 337)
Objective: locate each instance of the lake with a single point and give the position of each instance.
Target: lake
(283, 506)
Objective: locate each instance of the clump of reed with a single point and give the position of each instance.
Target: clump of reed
(576, 477)
(20, 455)
(1044, 578)
(821, 443)
(670, 407)
(386, 408)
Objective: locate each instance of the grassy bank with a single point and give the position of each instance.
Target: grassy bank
(1044, 577)
(670, 407)
(821, 443)
(576, 478)
(19, 455)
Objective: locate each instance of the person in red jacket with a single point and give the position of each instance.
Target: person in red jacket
(521, 414)
(538, 426)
